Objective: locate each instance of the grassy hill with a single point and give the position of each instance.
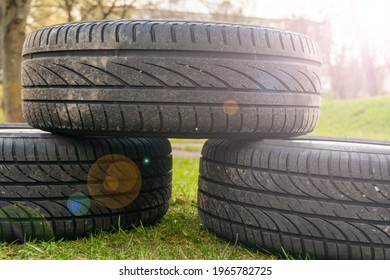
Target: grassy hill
(358, 118)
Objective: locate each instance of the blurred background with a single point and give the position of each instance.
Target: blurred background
(353, 34)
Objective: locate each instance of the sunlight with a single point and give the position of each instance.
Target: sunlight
(374, 16)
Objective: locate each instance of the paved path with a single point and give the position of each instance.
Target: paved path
(178, 150)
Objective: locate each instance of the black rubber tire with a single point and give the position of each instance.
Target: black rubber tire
(171, 79)
(328, 198)
(46, 182)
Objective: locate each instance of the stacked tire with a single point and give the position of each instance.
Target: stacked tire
(250, 87)
(56, 186)
(322, 197)
(170, 79)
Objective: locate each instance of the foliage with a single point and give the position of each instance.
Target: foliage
(47, 12)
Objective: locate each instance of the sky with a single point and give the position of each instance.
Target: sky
(284, 8)
(257, 8)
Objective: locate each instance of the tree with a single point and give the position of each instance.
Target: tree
(47, 12)
(366, 51)
(13, 15)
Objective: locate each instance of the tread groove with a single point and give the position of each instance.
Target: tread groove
(134, 32)
(223, 31)
(192, 33)
(173, 32)
(267, 39)
(117, 30)
(90, 32)
(239, 36)
(253, 38)
(153, 32)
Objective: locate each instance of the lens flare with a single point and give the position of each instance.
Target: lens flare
(114, 181)
(230, 107)
(22, 223)
(146, 161)
(78, 204)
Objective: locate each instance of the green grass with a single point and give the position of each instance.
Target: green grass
(358, 118)
(176, 140)
(179, 235)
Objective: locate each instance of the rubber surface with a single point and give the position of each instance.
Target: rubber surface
(328, 198)
(54, 187)
(171, 79)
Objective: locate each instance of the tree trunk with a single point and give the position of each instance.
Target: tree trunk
(368, 66)
(14, 14)
(366, 52)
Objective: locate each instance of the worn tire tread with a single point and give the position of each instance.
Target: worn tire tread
(324, 197)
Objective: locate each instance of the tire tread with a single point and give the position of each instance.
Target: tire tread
(307, 199)
(184, 64)
(40, 171)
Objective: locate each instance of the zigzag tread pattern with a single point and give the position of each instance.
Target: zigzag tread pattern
(172, 73)
(261, 194)
(43, 185)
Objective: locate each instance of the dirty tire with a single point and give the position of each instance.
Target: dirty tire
(327, 198)
(47, 190)
(170, 79)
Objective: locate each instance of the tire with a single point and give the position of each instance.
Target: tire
(54, 187)
(170, 79)
(327, 198)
